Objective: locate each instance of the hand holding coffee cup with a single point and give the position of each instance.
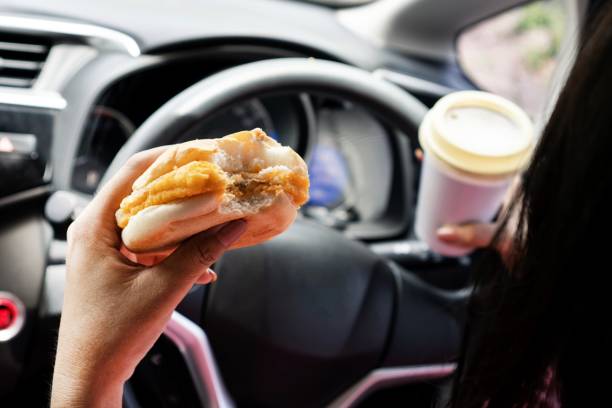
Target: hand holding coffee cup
(474, 144)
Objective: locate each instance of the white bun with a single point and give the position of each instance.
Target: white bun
(160, 228)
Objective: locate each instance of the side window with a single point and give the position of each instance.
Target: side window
(514, 54)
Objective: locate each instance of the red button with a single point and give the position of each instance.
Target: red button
(8, 313)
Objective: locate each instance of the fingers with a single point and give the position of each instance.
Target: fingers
(145, 259)
(478, 236)
(469, 235)
(192, 259)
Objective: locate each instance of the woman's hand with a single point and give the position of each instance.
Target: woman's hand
(479, 235)
(114, 309)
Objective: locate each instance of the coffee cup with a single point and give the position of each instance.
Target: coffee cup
(474, 144)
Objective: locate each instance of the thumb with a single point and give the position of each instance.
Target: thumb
(196, 255)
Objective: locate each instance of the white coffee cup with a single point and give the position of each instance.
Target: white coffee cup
(474, 143)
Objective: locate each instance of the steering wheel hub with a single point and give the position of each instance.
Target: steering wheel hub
(308, 313)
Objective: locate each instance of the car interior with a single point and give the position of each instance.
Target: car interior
(348, 307)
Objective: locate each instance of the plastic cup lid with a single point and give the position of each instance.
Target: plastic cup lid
(478, 132)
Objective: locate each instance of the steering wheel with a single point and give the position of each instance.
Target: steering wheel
(310, 317)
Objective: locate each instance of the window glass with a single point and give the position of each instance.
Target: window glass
(514, 54)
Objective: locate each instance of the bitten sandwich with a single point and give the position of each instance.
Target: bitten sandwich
(197, 185)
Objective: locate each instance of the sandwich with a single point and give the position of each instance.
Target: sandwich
(200, 184)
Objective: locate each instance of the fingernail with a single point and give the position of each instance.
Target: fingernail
(447, 233)
(213, 275)
(231, 232)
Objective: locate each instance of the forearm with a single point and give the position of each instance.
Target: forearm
(70, 391)
(82, 377)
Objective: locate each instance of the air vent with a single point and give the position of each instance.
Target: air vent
(21, 59)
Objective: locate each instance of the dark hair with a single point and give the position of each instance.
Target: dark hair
(541, 326)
